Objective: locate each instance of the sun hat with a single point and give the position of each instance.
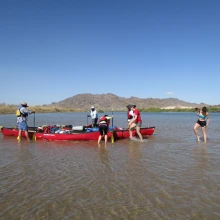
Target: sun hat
(24, 104)
(92, 107)
(129, 106)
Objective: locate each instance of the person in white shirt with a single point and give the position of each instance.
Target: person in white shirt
(94, 117)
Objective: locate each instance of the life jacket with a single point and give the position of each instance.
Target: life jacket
(104, 121)
(129, 115)
(19, 114)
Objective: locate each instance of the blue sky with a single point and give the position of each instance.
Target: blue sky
(53, 50)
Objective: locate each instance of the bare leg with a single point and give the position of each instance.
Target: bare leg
(139, 133)
(128, 126)
(130, 132)
(204, 133)
(106, 138)
(19, 135)
(196, 131)
(26, 134)
(99, 139)
(130, 129)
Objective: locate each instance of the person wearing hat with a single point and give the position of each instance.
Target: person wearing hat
(94, 117)
(22, 118)
(136, 121)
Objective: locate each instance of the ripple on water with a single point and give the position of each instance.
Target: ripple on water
(169, 177)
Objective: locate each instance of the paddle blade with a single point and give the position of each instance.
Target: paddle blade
(112, 137)
(34, 137)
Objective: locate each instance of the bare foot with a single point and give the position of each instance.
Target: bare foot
(198, 139)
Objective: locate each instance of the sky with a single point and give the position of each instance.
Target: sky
(51, 50)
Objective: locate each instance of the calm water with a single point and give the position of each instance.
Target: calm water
(169, 177)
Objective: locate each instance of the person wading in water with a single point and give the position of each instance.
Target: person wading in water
(202, 122)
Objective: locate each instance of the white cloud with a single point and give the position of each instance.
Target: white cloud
(169, 93)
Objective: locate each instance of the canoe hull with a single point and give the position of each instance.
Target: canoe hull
(14, 132)
(83, 136)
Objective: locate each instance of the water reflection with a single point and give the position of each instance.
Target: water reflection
(104, 155)
(200, 155)
(135, 150)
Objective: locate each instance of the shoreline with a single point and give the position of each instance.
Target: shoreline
(11, 109)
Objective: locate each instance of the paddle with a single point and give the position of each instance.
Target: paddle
(34, 119)
(34, 135)
(112, 137)
(87, 118)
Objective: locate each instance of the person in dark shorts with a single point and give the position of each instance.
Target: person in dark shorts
(103, 123)
(202, 122)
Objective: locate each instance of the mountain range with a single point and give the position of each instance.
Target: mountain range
(109, 101)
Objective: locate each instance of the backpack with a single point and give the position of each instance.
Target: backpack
(19, 114)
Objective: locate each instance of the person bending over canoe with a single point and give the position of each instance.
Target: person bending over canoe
(135, 122)
(103, 123)
(22, 118)
(201, 122)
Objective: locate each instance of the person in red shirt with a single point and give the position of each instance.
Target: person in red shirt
(136, 121)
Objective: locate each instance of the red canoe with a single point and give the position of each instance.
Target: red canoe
(77, 135)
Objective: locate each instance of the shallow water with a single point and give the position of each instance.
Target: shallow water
(171, 176)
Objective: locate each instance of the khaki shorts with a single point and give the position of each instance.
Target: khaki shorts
(138, 124)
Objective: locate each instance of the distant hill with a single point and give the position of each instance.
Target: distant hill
(109, 101)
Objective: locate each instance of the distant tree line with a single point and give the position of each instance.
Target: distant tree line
(210, 109)
(11, 109)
